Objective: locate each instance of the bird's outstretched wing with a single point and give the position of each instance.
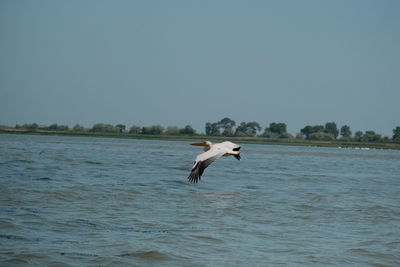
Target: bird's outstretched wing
(203, 161)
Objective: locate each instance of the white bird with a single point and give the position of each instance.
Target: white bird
(213, 152)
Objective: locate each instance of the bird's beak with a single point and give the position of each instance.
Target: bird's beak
(199, 144)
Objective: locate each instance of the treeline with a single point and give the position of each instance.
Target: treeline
(278, 130)
(108, 128)
(227, 127)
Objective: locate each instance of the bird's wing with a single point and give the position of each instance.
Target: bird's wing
(231, 146)
(203, 161)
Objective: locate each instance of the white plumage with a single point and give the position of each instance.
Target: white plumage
(213, 152)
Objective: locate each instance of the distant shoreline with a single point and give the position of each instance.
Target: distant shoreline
(247, 140)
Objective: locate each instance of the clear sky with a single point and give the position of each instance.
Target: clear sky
(192, 62)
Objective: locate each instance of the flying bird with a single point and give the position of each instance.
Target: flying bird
(212, 153)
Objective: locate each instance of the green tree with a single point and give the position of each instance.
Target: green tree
(135, 129)
(276, 130)
(172, 130)
(32, 127)
(212, 129)
(279, 128)
(78, 128)
(331, 128)
(396, 135)
(157, 129)
(358, 135)
(345, 132)
(299, 136)
(228, 132)
(188, 130)
(53, 127)
(146, 130)
(103, 128)
(371, 136)
(227, 125)
(120, 127)
(321, 136)
(154, 130)
(56, 127)
(308, 130)
(248, 129)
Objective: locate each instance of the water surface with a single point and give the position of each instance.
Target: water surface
(93, 201)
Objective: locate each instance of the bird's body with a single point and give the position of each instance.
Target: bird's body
(212, 153)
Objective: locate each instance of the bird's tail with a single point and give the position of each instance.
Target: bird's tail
(237, 156)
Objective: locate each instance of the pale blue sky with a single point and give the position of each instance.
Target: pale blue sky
(192, 62)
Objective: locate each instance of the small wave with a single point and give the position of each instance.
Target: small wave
(20, 238)
(318, 198)
(358, 250)
(79, 254)
(377, 207)
(27, 161)
(93, 162)
(307, 207)
(180, 182)
(173, 182)
(150, 255)
(20, 161)
(394, 244)
(62, 159)
(304, 179)
(129, 191)
(301, 217)
(13, 237)
(142, 184)
(15, 261)
(253, 187)
(80, 223)
(219, 195)
(375, 254)
(4, 224)
(128, 162)
(377, 210)
(208, 238)
(43, 179)
(180, 168)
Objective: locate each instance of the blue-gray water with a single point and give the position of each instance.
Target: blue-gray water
(92, 201)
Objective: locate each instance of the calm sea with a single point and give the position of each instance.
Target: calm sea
(70, 201)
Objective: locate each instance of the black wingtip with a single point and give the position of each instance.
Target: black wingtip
(193, 179)
(194, 175)
(238, 157)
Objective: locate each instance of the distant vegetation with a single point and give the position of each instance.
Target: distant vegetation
(226, 127)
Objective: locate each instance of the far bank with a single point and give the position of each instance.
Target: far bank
(244, 140)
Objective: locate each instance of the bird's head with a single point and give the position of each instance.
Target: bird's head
(206, 144)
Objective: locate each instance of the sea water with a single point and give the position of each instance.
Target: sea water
(71, 201)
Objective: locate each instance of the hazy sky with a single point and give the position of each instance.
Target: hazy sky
(192, 62)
